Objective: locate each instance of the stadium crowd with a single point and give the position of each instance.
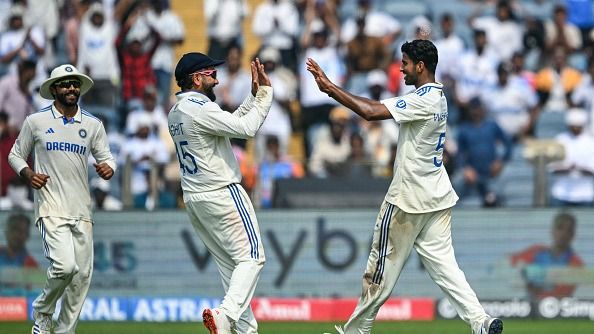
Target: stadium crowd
(511, 74)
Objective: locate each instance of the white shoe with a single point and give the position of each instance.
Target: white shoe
(43, 323)
(216, 321)
(338, 329)
(491, 326)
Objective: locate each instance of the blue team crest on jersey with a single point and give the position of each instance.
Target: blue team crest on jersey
(401, 104)
(82, 133)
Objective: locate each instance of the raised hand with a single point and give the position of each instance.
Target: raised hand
(255, 81)
(263, 79)
(324, 84)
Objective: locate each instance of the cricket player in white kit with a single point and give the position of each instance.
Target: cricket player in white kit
(62, 136)
(218, 207)
(417, 209)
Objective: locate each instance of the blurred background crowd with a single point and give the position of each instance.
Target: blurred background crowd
(517, 74)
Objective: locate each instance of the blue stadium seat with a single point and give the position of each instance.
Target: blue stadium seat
(404, 11)
(550, 124)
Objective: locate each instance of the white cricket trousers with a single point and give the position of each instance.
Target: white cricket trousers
(68, 245)
(226, 222)
(395, 234)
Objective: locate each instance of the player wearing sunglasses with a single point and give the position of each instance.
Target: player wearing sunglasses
(62, 135)
(218, 206)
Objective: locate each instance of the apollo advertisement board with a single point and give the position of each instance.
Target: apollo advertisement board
(309, 254)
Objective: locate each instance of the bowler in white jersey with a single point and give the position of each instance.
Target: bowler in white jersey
(62, 136)
(416, 212)
(219, 208)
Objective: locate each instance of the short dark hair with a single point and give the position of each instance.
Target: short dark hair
(187, 82)
(421, 50)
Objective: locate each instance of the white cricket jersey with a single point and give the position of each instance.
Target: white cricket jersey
(420, 182)
(61, 149)
(201, 130)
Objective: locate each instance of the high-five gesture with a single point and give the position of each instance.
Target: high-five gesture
(324, 84)
(259, 76)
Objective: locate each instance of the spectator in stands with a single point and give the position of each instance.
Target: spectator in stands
(275, 165)
(325, 11)
(583, 95)
(224, 19)
(475, 72)
(15, 255)
(234, 81)
(145, 152)
(135, 62)
(579, 13)
(97, 57)
(378, 137)
(45, 14)
(556, 82)
(534, 43)
(574, 180)
(359, 163)
(234, 84)
(172, 33)
(536, 260)
(450, 48)
(75, 10)
(332, 146)
(315, 105)
(364, 53)
(560, 33)
(478, 154)
(377, 24)
(276, 22)
(21, 43)
(278, 121)
(520, 73)
(512, 104)
(395, 77)
(15, 95)
(103, 200)
(151, 109)
(504, 35)
(421, 28)
(7, 138)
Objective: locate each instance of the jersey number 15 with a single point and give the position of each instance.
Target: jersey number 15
(187, 162)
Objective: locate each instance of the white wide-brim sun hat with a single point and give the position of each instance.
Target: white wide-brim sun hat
(64, 71)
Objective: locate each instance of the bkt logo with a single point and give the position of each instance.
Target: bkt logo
(401, 104)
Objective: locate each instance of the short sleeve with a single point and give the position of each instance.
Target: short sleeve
(408, 108)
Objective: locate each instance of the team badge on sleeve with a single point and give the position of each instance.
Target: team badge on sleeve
(401, 104)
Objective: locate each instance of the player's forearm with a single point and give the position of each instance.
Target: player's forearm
(245, 106)
(368, 109)
(17, 162)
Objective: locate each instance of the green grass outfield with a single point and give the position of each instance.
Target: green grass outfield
(407, 327)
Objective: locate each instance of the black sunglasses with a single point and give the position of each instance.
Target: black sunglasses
(68, 83)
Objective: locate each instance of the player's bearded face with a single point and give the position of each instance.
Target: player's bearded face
(67, 96)
(208, 88)
(408, 68)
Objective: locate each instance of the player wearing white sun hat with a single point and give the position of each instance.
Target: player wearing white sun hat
(62, 135)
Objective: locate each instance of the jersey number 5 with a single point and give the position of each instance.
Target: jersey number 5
(184, 156)
(440, 143)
